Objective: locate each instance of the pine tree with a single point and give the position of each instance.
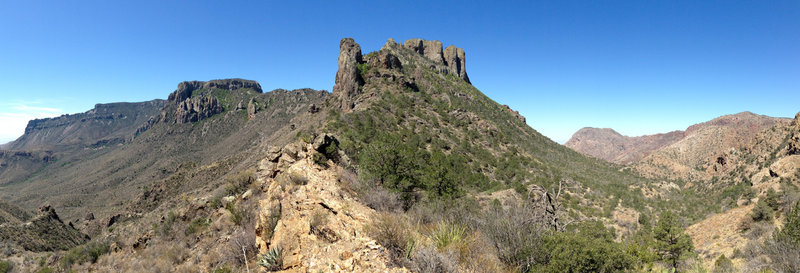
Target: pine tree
(671, 243)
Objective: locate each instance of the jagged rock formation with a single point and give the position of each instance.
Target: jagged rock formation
(304, 212)
(353, 67)
(103, 125)
(453, 58)
(348, 79)
(608, 145)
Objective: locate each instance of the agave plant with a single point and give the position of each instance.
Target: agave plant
(272, 260)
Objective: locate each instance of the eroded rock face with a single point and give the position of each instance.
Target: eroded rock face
(453, 58)
(195, 109)
(348, 78)
(456, 61)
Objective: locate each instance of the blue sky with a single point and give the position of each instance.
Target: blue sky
(640, 67)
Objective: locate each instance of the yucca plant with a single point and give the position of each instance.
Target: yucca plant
(446, 234)
(272, 260)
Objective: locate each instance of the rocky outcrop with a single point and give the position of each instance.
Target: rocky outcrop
(348, 78)
(794, 138)
(316, 224)
(453, 59)
(195, 109)
(514, 113)
(252, 108)
(456, 61)
(193, 101)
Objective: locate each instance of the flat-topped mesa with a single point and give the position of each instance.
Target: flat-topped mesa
(453, 58)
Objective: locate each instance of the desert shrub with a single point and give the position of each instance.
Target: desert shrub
(239, 183)
(762, 212)
(518, 239)
(272, 260)
(394, 233)
(242, 246)
(237, 215)
(723, 265)
(429, 260)
(380, 199)
(89, 252)
(6, 266)
(318, 221)
(165, 229)
(197, 224)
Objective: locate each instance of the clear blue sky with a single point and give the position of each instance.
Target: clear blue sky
(639, 67)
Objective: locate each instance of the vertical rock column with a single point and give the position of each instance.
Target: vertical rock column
(348, 78)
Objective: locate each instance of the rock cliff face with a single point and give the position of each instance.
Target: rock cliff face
(453, 58)
(194, 100)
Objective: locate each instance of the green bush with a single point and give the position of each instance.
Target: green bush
(762, 212)
(589, 249)
(772, 199)
(723, 265)
(6, 266)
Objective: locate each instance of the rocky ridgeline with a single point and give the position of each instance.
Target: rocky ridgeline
(306, 214)
(393, 56)
(189, 103)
